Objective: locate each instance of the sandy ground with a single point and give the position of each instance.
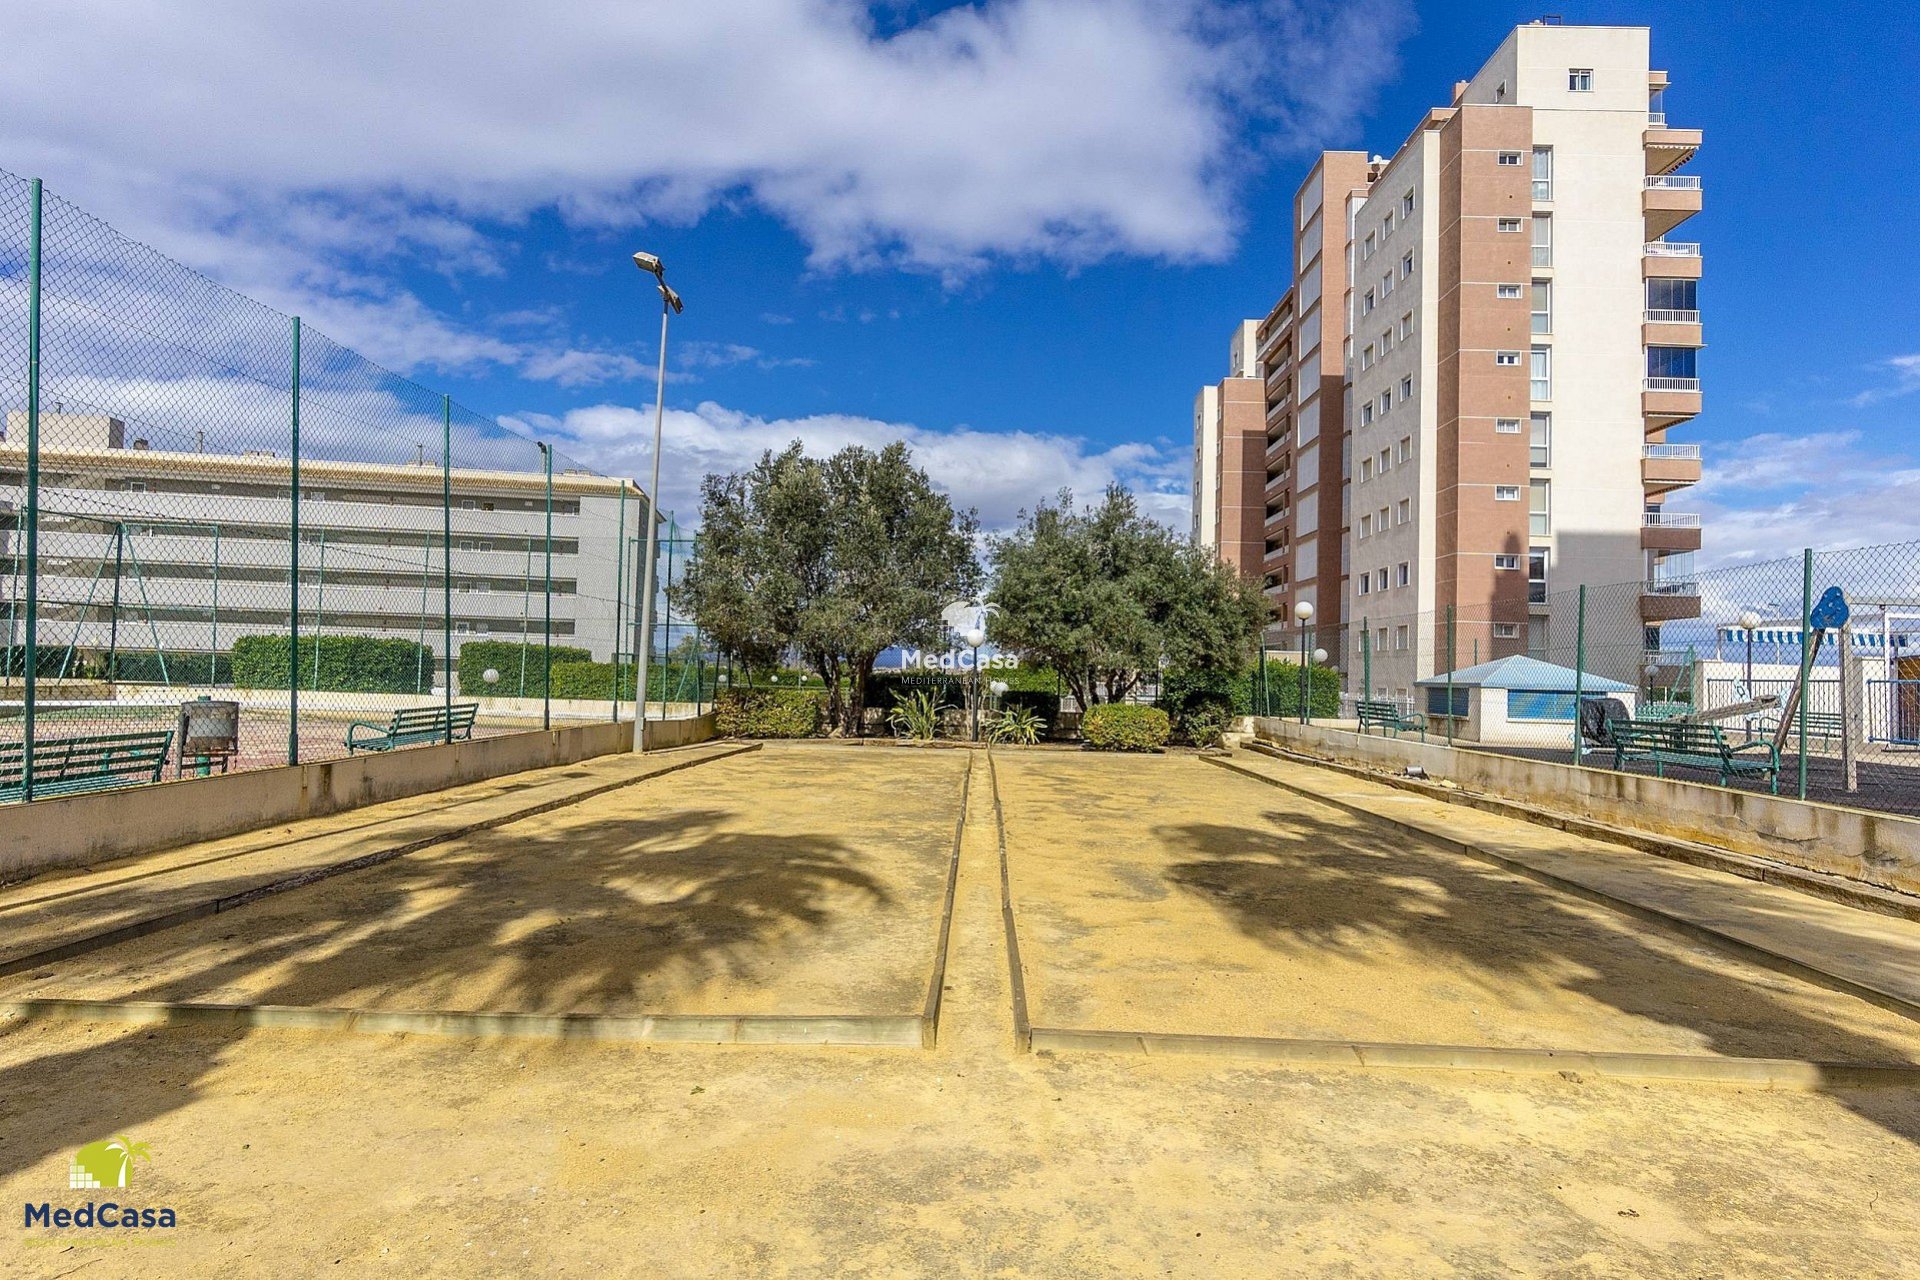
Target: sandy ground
(301, 1153)
(787, 882)
(1186, 898)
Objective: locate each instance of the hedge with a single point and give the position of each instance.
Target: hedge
(348, 664)
(591, 681)
(1125, 726)
(1242, 690)
(476, 656)
(768, 713)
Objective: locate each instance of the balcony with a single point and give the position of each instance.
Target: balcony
(1669, 200)
(1669, 601)
(1670, 531)
(1665, 259)
(1665, 401)
(1278, 482)
(1668, 148)
(1671, 328)
(1664, 467)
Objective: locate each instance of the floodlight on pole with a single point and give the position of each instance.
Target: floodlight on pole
(670, 305)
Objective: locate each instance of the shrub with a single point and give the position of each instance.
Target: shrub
(1016, 725)
(347, 664)
(768, 713)
(918, 715)
(504, 656)
(1121, 726)
(1201, 723)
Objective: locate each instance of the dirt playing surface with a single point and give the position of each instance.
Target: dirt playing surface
(1185, 898)
(298, 1153)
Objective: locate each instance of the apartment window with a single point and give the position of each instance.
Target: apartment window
(1506, 291)
(1580, 79)
(1366, 305)
(1386, 341)
(1673, 299)
(1540, 374)
(1543, 306)
(1541, 443)
(1509, 224)
(1406, 264)
(1404, 574)
(1507, 359)
(1383, 468)
(1500, 92)
(1506, 493)
(1536, 575)
(1400, 637)
(1366, 356)
(1406, 447)
(1380, 639)
(1506, 560)
(1367, 251)
(136, 486)
(1543, 173)
(1510, 159)
(1506, 630)
(1386, 225)
(1406, 387)
(1365, 584)
(1366, 526)
(1366, 411)
(1386, 284)
(1542, 239)
(1506, 426)
(1406, 203)
(1672, 362)
(1366, 472)
(1406, 326)
(1539, 501)
(1386, 402)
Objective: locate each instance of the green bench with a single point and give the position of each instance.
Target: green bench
(1387, 715)
(1822, 726)
(82, 763)
(1694, 746)
(413, 724)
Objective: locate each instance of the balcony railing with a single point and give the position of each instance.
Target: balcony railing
(1674, 182)
(1670, 249)
(1682, 451)
(1658, 119)
(1675, 587)
(1671, 519)
(1673, 384)
(1658, 316)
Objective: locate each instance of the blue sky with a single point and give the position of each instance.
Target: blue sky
(1016, 233)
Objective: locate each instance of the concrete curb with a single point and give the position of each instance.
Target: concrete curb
(1818, 884)
(1749, 951)
(313, 875)
(880, 1031)
(936, 987)
(1764, 1073)
(1016, 972)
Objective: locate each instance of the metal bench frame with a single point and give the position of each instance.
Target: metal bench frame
(411, 725)
(84, 763)
(1388, 716)
(1694, 746)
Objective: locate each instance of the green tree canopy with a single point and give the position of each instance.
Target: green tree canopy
(835, 559)
(1105, 596)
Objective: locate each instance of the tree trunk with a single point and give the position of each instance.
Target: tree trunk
(857, 694)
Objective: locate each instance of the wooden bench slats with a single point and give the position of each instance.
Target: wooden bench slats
(88, 762)
(1695, 746)
(1388, 715)
(413, 724)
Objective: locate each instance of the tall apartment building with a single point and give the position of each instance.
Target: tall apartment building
(196, 547)
(1229, 450)
(1471, 376)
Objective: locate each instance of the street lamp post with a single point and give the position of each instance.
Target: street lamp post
(1748, 621)
(1303, 612)
(1319, 660)
(975, 637)
(670, 305)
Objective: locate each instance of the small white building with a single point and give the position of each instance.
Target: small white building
(1515, 702)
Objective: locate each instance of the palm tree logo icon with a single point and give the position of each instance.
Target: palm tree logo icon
(106, 1163)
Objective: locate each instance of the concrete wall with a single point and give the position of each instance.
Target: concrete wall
(78, 831)
(1872, 847)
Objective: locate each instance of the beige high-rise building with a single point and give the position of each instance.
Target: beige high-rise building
(1470, 379)
(1229, 466)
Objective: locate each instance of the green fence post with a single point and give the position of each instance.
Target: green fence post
(31, 675)
(1806, 658)
(1366, 657)
(1450, 665)
(546, 639)
(1579, 670)
(446, 555)
(293, 569)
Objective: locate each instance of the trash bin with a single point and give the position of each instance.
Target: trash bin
(209, 735)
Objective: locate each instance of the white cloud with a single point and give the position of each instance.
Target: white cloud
(1069, 129)
(1906, 380)
(1769, 496)
(997, 472)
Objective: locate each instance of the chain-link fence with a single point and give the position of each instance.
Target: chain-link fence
(227, 541)
(1801, 674)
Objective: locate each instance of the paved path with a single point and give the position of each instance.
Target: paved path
(1872, 955)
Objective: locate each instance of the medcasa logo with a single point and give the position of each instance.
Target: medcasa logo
(104, 1165)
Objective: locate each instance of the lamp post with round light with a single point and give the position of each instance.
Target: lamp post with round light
(1303, 612)
(670, 304)
(975, 637)
(1748, 621)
